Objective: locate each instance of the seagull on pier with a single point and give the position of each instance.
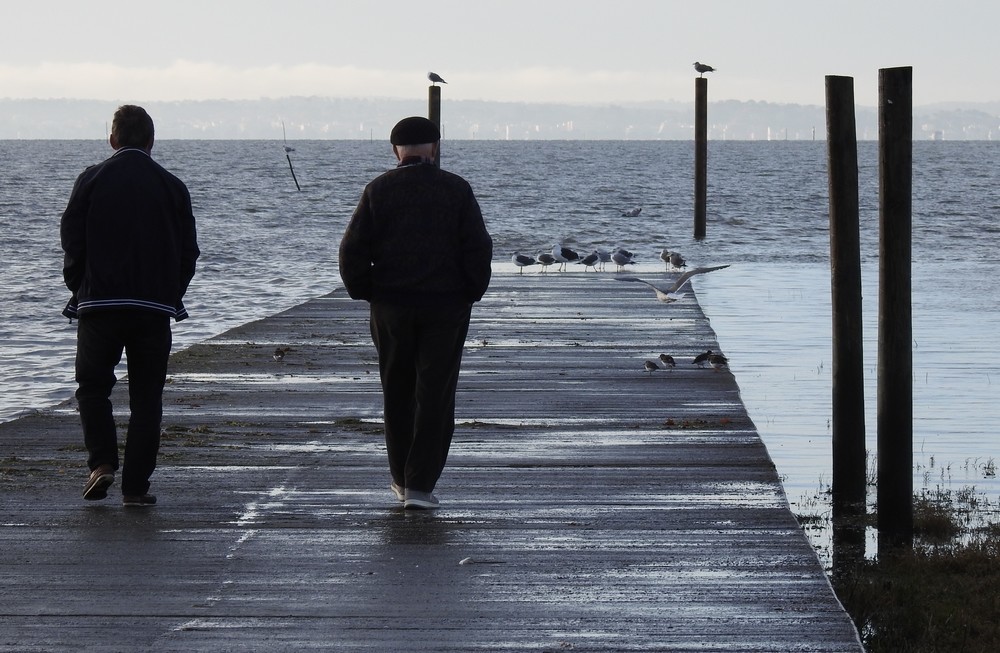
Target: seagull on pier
(702, 359)
(520, 260)
(673, 258)
(622, 257)
(590, 261)
(670, 294)
(604, 256)
(703, 68)
(435, 78)
(545, 260)
(718, 361)
(564, 255)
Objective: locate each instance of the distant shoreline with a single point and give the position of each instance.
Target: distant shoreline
(321, 118)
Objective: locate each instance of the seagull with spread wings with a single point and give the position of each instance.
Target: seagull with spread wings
(670, 294)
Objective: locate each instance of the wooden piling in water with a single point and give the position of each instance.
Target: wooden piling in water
(845, 266)
(434, 114)
(848, 397)
(700, 156)
(895, 337)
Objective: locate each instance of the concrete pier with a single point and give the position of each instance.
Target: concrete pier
(588, 505)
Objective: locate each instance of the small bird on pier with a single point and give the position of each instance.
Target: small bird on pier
(590, 261)
(520, 260)
(702, 359)
(279, 353)
(564, 255)
(545, 260)
(622, 257)
(668, 295)
(703, 68)
(668, 361)
(650, 367)
(718, 361)
(632, 213)
(676, 260)
(435, 78)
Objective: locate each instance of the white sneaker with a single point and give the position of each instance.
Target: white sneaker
(420, 501)
(398, 491)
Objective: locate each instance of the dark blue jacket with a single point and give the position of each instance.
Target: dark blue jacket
(417, 238)
(129, 238)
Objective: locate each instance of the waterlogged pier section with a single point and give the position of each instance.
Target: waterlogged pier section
(588, 504)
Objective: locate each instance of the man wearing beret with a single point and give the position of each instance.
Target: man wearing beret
(418, 251)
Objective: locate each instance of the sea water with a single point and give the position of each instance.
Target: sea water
(268, 246)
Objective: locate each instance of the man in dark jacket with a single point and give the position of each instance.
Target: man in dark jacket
(130, 246)
(417, 249)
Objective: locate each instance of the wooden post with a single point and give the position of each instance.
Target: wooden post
(895, 329)
(700, 155)
(849, 455)
(434, 114)
(849, 478)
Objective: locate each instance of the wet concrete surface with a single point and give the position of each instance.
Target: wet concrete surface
(587, 504)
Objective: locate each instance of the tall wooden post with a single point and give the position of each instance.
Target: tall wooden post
(895, 329)
(700, 155)
(434, 114)
(849, 477)
(849, 456)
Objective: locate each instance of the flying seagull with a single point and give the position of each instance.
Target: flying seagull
(435, 78)
(703, 68)
(668, 295)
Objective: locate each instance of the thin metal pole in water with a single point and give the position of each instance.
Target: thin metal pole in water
(849, 455)
(700, 155)
(895, 328)
(434, 114)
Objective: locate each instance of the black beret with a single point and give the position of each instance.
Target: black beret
(414, 130)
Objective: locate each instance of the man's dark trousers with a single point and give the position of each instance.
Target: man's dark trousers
(420, 353)
(101, 337)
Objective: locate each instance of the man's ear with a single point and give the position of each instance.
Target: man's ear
(113, 141)
(395, 150)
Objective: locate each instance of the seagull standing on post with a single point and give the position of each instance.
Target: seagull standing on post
(435, 78)
(703, 68)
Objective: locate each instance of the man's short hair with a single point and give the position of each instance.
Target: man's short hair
(132, 126)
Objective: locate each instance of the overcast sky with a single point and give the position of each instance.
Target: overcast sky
(606, 51)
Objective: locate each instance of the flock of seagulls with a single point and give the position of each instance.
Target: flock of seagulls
(563, 255)
(621, 257)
